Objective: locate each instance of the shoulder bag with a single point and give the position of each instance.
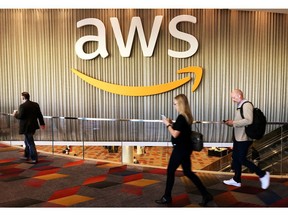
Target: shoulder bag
(196, 141)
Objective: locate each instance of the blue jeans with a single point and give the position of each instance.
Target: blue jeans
(30, 148)
(239, 155)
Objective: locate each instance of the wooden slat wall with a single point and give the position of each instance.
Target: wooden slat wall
(237, 49)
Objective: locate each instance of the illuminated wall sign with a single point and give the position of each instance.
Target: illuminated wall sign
(144, 90)
(136, 24)
(147, 49)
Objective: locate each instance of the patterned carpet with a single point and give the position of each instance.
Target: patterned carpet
(69, 182)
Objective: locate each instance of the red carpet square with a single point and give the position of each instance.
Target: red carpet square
(180, 200)
(46, 172)
(74, 163)
(131, 189)
(65, 192)
(117, 169)
(35, 182)
(95, 179)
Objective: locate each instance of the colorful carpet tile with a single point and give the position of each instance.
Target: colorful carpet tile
(70, 200)
(69, 182)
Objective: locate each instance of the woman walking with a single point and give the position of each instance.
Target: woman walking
(182, 149)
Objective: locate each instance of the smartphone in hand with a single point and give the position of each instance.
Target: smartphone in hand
(163, 116)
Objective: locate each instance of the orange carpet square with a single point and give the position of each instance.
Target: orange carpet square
(142, 182)
(71, 200)
(51, 176)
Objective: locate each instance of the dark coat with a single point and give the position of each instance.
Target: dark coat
(29, 113)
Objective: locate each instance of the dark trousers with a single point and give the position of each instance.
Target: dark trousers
(30, 148)
(239, 155)
(181, 157)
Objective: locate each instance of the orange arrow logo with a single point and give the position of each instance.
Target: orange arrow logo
(144, 90)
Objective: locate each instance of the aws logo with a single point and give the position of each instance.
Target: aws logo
(147, 49)
(144, 90)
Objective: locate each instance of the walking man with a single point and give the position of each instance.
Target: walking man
(241, 142)
(29, 114)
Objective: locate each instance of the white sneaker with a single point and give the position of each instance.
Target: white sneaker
(265, 181)
(232, 182)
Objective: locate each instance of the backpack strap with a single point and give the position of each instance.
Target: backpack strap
(241, 108)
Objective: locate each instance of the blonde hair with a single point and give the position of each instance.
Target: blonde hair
(184, 107)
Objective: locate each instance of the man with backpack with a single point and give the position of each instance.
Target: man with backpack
(242, 143)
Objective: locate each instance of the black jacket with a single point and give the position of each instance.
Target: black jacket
(29, 113)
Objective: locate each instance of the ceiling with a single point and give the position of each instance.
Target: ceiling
(284, 11)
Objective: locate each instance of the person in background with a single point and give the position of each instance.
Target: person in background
(135, 161)
(182, 150)
(29, 114)
(241, 142)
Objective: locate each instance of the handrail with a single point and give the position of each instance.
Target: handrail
(135, 120)
(84, 137)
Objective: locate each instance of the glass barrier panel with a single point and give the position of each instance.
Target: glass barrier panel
(44, 137)
(147, 142)
(101, 140)
(5, 128)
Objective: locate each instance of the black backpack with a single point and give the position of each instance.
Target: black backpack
(256, 130)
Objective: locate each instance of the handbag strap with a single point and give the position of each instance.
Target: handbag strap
(196, 127)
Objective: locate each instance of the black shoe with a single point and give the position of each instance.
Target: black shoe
(164, 200)
(206, 199)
